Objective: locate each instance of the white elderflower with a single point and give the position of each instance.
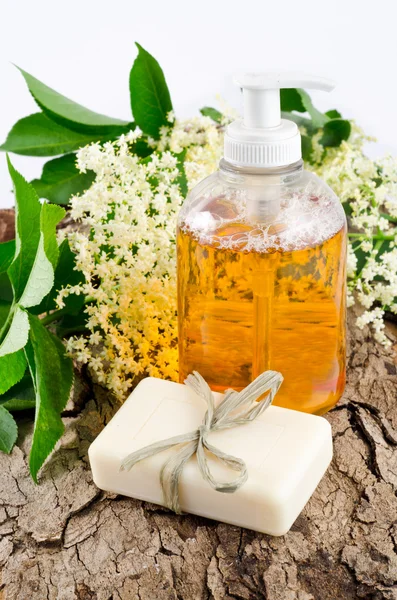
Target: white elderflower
(351, 262)
(126, 246)
(127, 254)
(368, 189)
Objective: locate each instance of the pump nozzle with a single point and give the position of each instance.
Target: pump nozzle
(263, 138)
(262, 94)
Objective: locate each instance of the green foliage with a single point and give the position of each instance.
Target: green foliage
(36, 267)
(68, 113)
(333, 114)
(7, 251)
(17, 331)
(318, 119)
(291, 100)
(12, 368)
(65, 274)
(150, 98)
(182, 179)
(22, 395)
(335, 131)
(38, 135)
(299, 101)
(64, 126)
(8, 430)
(70, 323)
(212, 113)
(307, 147)
(27, 225)
(52, 375)
(60, 180)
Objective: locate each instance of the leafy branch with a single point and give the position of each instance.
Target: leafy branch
(63, 126)
(35, 371)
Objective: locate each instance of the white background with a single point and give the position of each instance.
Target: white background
(85, 48)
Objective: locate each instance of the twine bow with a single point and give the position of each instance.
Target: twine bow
(236, 408)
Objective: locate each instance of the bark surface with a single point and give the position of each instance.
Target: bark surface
(66, 540)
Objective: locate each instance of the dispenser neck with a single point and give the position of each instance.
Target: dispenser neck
(262, 108)
(285, 174)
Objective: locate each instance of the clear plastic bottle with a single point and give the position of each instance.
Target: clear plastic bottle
(261, 278)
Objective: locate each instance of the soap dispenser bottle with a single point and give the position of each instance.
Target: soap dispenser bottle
(262, 260)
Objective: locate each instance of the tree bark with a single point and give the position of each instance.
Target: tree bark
(66, 540)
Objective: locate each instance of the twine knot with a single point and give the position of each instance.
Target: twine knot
(236, 408)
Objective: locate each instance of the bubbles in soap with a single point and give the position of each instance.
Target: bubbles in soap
(304, 218)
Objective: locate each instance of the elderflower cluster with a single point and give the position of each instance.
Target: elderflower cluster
(201, 139)
(368, 190)
(126, 252)
(125, 247)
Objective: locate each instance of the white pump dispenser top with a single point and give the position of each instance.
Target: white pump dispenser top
(263, 138)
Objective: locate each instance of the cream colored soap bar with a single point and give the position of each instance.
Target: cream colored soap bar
(286, 452)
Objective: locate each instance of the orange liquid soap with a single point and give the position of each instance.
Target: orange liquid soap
(246, 304)
(262, 258)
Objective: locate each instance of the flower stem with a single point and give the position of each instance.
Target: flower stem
(54, 316)
(388, 217)
(381, 237)
(57, 314)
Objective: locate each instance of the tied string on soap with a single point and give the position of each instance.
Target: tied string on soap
(236, 408)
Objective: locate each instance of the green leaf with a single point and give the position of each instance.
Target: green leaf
(334, 132)
(361, 256)
(318, 118)
(182, 179)
(333, 114)
(290, 99)
(41, 277)
(388, 217)
(212, 113)
(68, 113)
(7, 253)
(70, 324)
(17, 334)
(37, 135)
(6, 292)
(51, 215)
(141, 148)
(4, 312)
(40, 280)
(60, 180)
(307, 148)
(65, 274)
(27, 231)
(31, 272)
(52, 375)
(298, 100)
(12, 368)
(8, 430)
(21, 396)
(150, 98)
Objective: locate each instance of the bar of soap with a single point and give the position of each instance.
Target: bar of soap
(286, 452)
